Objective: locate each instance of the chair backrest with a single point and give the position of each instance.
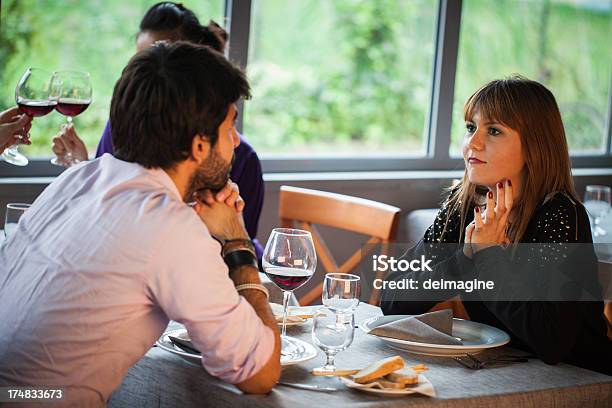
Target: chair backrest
(302, 208)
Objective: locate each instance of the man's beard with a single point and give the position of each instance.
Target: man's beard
(212, 175)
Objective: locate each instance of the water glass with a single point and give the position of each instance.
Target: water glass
(341, 292)
(332, 333)
(597, 203)
(14, 211)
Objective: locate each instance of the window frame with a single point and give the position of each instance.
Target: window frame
(438, 127)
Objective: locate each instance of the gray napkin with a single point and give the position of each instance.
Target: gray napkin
(433, 328)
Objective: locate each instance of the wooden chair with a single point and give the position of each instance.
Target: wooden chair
(417, 222)
(301, 208)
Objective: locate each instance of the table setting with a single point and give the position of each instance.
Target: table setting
(163, 378)
(365, 358)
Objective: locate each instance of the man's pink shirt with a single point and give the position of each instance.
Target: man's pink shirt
(106, 255)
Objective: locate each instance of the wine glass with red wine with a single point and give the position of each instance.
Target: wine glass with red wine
(73, 92)
(289, 260)
(32, 95)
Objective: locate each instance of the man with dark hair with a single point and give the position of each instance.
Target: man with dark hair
(112, 247)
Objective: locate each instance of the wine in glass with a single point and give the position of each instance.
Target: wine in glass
(597, 203)
(289, 260)
(73, 92)
(32, 95)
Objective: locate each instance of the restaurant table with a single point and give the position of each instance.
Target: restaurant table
(162, 379)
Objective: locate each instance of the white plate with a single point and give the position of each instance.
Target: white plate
(278, 311)
(475, 337)
(423, 387)
(309, 351)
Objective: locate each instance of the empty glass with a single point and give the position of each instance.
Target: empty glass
(332, 333)
(341, 292)
(14, 211)
(597, 203)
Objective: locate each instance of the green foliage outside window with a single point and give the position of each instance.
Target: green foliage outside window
(334, 77)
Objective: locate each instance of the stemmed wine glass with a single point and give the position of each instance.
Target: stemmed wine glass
(73, 92)
(332, 333)
(341, 292)
(289, 260)
(32, 95)
(597, 203)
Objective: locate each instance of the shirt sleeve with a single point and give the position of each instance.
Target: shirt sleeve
(105, 145)
(190, 283)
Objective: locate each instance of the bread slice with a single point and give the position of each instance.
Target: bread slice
(419, 368)
(390, 384)
(337, 373)
(379, 369)
(404, 376)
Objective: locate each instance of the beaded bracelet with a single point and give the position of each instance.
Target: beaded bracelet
(256, 286)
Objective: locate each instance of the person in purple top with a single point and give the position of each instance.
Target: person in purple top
(168, 21)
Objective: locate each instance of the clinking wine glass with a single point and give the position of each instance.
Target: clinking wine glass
(289, 260)
(73, 92)
(32, 95)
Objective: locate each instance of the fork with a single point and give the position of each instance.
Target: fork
(463, 363)
(500, 359)
(307, 386)
(476, 364)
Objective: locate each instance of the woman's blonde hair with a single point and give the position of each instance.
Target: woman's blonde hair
(530, 109)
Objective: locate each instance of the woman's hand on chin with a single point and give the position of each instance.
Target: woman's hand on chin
(490, 225)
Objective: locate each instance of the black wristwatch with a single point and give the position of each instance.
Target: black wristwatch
(239, 252)
(236, 259)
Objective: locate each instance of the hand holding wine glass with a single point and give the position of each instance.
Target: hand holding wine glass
(73, 91)
(33, 97)
(68, 147)
(14, 127)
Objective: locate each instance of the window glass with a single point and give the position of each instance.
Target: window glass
(565, 44)
(342, 77)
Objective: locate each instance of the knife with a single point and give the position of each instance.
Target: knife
(185, 345)
(307, 387)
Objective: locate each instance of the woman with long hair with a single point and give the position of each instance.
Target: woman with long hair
(516, 202)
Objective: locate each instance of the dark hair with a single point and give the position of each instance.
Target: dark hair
(166, 95)
(182, 24)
